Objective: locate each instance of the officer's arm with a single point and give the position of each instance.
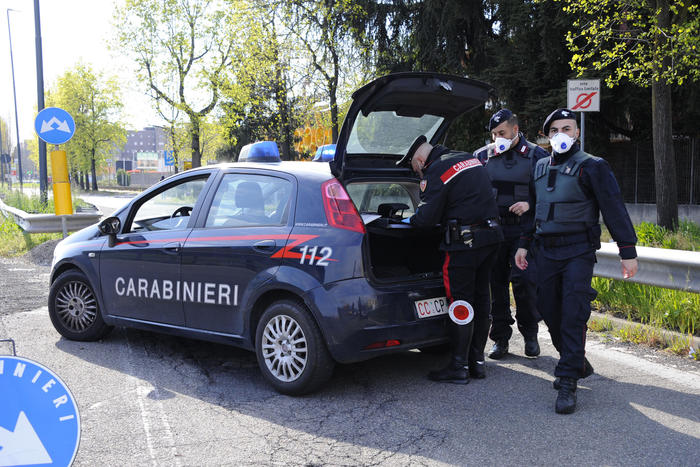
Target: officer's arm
(430, 209)
(528, 220)
(599, 179)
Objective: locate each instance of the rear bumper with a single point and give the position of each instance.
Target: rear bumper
(354, 314)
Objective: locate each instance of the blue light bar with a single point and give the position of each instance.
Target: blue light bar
(325, 153)
(260, 151)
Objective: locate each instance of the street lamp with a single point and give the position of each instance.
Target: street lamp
(14, 93)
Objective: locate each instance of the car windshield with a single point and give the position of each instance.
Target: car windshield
(389, 133)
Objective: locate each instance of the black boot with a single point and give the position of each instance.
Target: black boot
(499, 349)
(455, 372)
(477, 369)
(566, 399)
(587, 371)
(532, 347)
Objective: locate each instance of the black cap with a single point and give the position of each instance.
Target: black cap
(559, 114)
(499, 117)
(406, 160)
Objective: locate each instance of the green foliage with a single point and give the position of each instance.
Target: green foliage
(123, 178)
(15, 242)
(636, 40)
(600, 325)
(95, 103)
(32, 203)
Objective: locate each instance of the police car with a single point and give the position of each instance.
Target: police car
(307, 264)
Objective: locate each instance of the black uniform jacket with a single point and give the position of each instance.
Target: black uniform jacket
(455, 185)
(515, 231)
(599, 183)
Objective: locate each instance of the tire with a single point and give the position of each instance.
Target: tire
(297, 367)
(74, 310)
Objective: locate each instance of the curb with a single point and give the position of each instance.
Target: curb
(666, 336)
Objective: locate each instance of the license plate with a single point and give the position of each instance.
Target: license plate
(432, 307)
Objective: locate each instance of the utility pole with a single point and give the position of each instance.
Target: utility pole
(43, 172)
(14, 92)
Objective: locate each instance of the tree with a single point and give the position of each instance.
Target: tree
(323, 28)
(188, 43)
(95, 104)
(649, 43)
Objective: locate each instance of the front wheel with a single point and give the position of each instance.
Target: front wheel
(74, 310)
(291, 352)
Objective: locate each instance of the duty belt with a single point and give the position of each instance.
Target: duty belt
(456, 233)
(563, 239)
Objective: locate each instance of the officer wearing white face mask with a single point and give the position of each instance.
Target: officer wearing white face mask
(570, 190)
(510, 161)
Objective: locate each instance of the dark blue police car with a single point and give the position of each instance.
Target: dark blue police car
(305, 263)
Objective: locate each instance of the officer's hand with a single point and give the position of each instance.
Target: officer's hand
(629, 267)
(520, 208)
(520, 259)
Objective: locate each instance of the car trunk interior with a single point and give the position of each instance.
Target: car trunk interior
(401, 252)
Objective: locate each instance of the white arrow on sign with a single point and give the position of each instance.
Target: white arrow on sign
(49, 126)
(22, 446)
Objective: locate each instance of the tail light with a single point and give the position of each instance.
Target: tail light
(340, 210)
(383, 344)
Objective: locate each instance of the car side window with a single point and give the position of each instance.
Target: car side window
(169, 209)
(243, 200)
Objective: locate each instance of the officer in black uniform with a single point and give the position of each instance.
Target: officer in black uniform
(510, 161)
(456, 193)
(570, 189)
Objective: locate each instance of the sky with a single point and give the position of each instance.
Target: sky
(71, 30)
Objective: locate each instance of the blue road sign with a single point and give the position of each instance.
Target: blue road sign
(54, 125)
(39, 419)
(169, 157)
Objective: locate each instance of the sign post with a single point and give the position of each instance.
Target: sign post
(56, 126)
(583, 95)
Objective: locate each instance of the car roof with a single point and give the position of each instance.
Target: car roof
(297, 168)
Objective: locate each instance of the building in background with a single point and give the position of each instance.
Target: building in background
(143, 155)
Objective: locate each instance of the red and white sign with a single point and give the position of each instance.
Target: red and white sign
(461, 312)
(583, 95)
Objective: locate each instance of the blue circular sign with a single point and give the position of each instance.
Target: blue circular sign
(39, 419)
(54, 125)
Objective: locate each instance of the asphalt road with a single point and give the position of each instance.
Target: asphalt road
(149, 399)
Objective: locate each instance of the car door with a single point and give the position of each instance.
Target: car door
(140, 274)
(236, 246)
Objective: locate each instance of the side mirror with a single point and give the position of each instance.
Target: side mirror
(110, 226)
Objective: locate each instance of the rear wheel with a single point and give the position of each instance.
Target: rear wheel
(74, 310)
(290, 349)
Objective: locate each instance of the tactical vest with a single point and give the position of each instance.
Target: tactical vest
(510, 177)
(562, 206)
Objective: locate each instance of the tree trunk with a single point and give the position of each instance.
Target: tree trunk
(334, 113)
(82, 180)
(93, 171)
(662, 133)
(194, 132)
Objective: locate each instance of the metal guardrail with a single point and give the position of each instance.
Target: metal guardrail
(661, 267)
(40, 223)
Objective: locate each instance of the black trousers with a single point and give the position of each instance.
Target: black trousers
(504, 273)
(466, 275)
(564, 296)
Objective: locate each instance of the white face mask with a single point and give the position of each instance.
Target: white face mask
(502, 144)
(561, 142)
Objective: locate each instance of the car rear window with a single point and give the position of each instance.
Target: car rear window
(389, 133)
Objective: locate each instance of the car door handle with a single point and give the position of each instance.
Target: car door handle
(172, 247)
(264, 246)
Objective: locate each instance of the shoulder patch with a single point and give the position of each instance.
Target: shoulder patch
(459, 167)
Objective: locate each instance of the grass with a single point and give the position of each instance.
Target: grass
(15, 242)
(33, 203)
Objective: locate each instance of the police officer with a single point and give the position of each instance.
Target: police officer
(570, 190)
(456, 193)
(510, 161)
